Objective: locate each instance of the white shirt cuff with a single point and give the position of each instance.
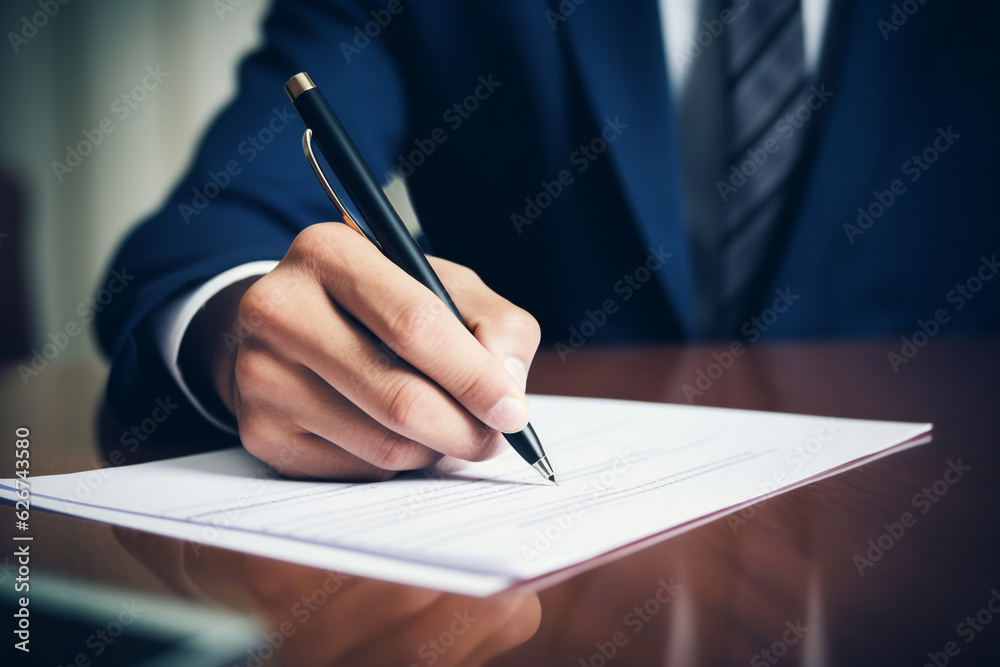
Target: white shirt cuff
(171, 321)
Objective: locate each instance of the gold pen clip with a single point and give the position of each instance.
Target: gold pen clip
(314, 164)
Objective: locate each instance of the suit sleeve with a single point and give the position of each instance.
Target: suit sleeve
(249, 190)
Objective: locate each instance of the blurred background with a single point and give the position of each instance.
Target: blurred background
(65, 69)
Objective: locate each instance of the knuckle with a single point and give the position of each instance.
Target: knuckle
(310, 240)
(257, 435)
(404, 403)
(394, 452)
(511, 323)
(374, 364)
(320, 246)
(409, 326)
(260, 302)
(474, 388)
(250, 371)
(520, 324)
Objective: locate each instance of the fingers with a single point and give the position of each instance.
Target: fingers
(164, 557)
(348, 620)
(273, 588)
(373, 407)
(453, 630)
(310, 430)
(413, 323)
(519, 628)
(353, 370)
(369, 613)
(302, 435)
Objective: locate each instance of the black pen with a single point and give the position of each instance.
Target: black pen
(390, 233)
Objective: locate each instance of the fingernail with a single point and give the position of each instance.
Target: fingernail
(517, 371)
(509, 414)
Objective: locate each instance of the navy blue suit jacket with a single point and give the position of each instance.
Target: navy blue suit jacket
(530, 92)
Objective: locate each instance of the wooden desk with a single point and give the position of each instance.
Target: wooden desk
(782, 577)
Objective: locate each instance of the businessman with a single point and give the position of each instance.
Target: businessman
(621, 171)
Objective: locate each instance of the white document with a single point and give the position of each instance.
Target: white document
(627, 471)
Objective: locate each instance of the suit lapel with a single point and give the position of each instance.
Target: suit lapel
(620, 56)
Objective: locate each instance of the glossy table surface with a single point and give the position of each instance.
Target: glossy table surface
(893, 563)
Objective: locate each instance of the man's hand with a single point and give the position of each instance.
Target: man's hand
(314, 618)
(348, 368)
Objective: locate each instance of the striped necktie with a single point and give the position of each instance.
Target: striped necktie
(765, 80)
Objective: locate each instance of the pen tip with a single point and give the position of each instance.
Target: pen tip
(552, 478)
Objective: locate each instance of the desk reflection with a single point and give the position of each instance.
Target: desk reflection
(737, 588)
(778, 583)
(314, 617)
